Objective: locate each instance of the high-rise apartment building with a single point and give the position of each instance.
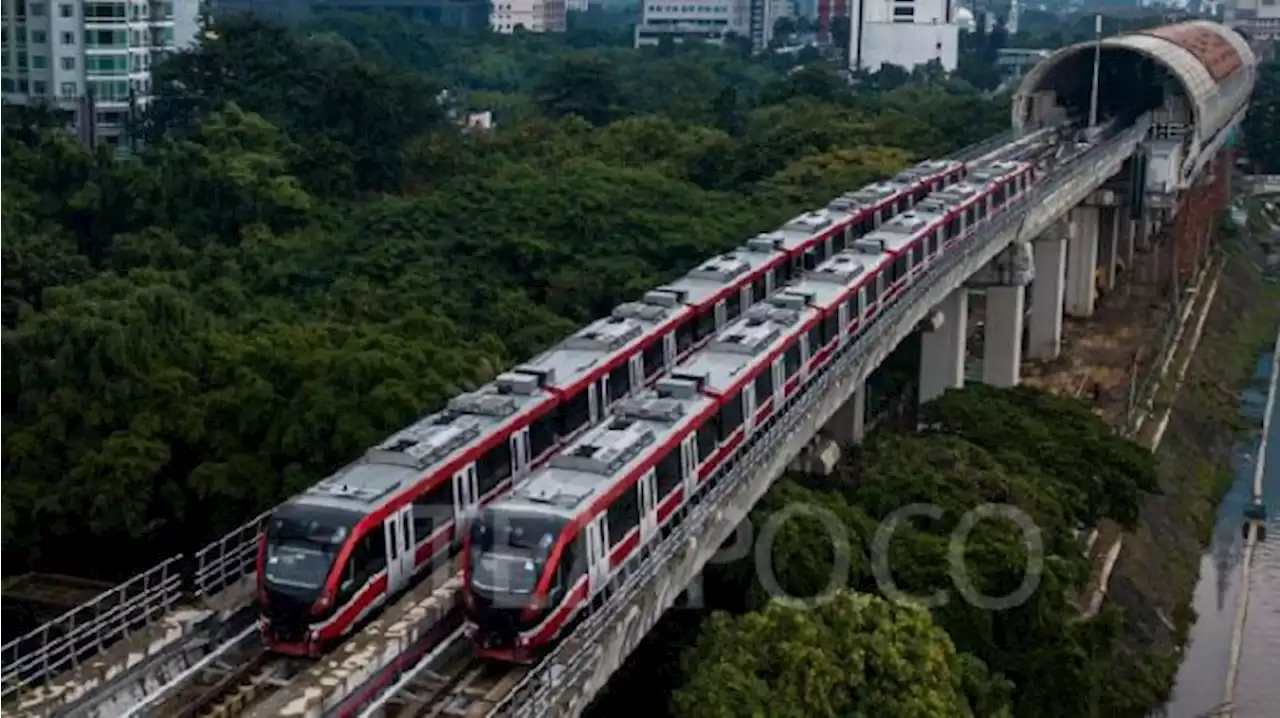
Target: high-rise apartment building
(907, 33)
(91, 58)
(706, 20)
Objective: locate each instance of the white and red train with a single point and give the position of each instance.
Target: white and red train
(333, 555)
(539, 558)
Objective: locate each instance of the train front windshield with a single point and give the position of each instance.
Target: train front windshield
(509, 551)
(302, 544)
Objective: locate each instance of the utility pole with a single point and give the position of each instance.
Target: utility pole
(1097, 63)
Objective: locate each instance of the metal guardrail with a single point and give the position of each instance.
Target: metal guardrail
(580, 653)
(229, 559)
(86, 630)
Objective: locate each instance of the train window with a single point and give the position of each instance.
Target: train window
(685, 336)
(781, 273)
(953, 228)
(542, 435)
(708, 435)
(764, 385)
(573, 414)
(432, 510)
(733, 305)
(624, 515)
(872, 289)
(917, 254)
(903, 204)
(815, 340)
(572, 559)
(830, 328)
(668, 473)
(367, 559)
(493, 468)
(982, 210)
(811, 258)
(935, 241)
(899, 269)
(619, 381)
(968, 217)
(791, 360)
(706, 324)
(759, 288)
(851, 306)
(731, 416)
(838, 242)
(653, 359)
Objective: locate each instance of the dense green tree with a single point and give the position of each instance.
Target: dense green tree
(853, 655)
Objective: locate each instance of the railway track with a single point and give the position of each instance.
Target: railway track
(453, 683)
(228, 687)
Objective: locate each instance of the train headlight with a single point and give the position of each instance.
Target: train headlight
(323, 603)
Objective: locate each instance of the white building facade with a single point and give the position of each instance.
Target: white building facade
(907, 33)
(1259, 19)
(532, 15)
(91, 58)
(706, 20)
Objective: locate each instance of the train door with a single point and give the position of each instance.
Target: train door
(519, 453)
(843, 320)
(748, 408)
(466, 496)
(689, 465)
(398, 532)
(597, 554)
(636, 367)
(669, 350)
(648, 507)
(721, 314)
(779, 384)
(598, 398)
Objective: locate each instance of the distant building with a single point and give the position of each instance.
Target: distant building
(578, 5)
(1259, 19)
(91, 59)
(706, 20)
(532, 15)
(907, 33)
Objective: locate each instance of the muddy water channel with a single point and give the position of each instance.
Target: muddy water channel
(1200, 685)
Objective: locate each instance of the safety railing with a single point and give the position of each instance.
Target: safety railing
(86, 630)
(578, 655)
(66, 642)
(224, 562)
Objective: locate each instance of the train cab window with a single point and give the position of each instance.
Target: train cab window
(706, 324)
(733, 305)
(624, 515)
(668, 473)
(830, 328)
(653, 359)
(815, 340)
(509, 550)
(731, 416)
(573, 414)
(433, 509)
(791, 361)
(759, 289)
(303, 542)
(685, 336)
(619, 382)
(708, 438)
(493, 468)
(764, 385)
(542, 435)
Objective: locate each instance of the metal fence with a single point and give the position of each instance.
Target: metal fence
(86, 630)
(66, 642)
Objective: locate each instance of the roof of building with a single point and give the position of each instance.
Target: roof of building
(1212, 63)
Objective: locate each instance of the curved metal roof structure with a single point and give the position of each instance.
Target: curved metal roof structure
(1213, 65)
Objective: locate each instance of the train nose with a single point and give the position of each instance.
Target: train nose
(497, 629)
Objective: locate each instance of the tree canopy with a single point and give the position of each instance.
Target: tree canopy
(1049, 457)
(306, 252)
